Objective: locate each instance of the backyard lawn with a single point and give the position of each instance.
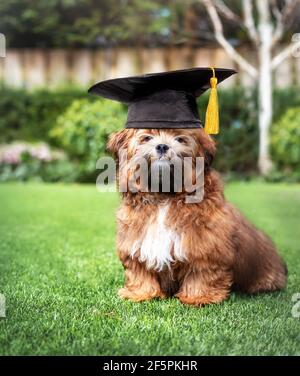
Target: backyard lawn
(60, 276)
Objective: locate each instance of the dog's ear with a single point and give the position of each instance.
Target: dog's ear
(209, 147)
(117, 141)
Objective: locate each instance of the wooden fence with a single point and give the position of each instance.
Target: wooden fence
(32, 68)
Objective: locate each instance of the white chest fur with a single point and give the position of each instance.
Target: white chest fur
(159, 246)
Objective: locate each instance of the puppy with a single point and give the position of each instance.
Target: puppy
(198, 252)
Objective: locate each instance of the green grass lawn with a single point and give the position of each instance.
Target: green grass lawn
(60, 274)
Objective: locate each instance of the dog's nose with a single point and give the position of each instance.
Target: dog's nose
(162, 148)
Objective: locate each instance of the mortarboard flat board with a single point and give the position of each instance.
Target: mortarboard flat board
(164, 100)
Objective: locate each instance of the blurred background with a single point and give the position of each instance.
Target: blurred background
(58, 269)
(52, 130)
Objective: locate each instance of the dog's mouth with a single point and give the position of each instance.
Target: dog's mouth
(161, 164)
(160, 161)
(162, 176)
(161, 173)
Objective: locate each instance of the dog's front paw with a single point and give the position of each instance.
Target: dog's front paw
(139, 296)
(201, 300)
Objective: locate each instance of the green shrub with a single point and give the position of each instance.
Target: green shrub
(285, 142)
(33, 169)
(284, 99)
(30, 115)
(14, 105)
(239, 137)
(82, 131)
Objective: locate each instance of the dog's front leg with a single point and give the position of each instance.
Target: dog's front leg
(204, 284)
(140, 283)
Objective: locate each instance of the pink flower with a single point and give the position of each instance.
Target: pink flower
(41, 152)
(12, 153)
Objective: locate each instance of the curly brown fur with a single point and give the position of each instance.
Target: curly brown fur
(218, 250)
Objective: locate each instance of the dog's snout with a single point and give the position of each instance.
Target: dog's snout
(162, 148)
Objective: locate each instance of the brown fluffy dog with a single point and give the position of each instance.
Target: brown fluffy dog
(198, 252)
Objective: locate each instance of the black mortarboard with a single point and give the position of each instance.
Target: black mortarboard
(166, 100)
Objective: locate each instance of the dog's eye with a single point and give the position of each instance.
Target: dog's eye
(146, 138)
(180, 139)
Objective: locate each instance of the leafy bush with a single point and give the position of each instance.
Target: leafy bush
(30, 115)
(284, 99)
(239, 137)
(285, 144)
(83, 129)
(33, 169)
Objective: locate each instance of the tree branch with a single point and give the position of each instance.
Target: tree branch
(275, 10)
(287, 11)
(249, 21)
(219, 35)
(279, 23)
(227, 12)
(286, 52)
(282, 17)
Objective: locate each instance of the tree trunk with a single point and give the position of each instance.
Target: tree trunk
(265, 86)
(265, 110)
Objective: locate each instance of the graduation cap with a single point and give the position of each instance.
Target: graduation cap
(167, 100)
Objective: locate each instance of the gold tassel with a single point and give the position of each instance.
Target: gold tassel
(212, 111)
